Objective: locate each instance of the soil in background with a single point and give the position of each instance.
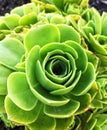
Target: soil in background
(7, 5)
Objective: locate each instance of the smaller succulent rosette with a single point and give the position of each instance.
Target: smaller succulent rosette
(57, 81)
(92, 27)
(92, 120)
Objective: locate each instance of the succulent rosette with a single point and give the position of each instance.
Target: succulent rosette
(92, 26)
(92, 120)
(54, 81)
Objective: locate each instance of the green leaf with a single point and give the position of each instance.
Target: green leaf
(86, 31)
(104, 24)
(90, 125)
(12, 20)
(77, 124)
(30, 66)
(57, 19)
(11, 51)
(73, 69)
(64, 124)
(101, 119)
(2, 109)
(41, 35)
(68, 33)
(95, 45)
(97, 20)
(28, 19)
(45, 97)
(85, 101)
(29, 8)
(104, 127)
(81, 66)
(94, 90)
(59, 46)
(43, 80)
(63, 111)
(43, 122)
(85, 82)
(92, 58)
(19, 91)
(3, 26)
(18, 11)
(103, 59)
(4, 73)
(84, 3)
(59, 4)
(69, 88)
(16, 114)
(96, 104)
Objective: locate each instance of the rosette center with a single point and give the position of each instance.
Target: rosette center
(59, 68)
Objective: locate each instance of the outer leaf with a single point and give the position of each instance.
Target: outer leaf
(18, 11)
(4, 73)
(77, 125)
(16, 114)
(3, 26)
(41, 35)
(90, 125)
(92, 58)
(45, 97)
(11, 51)
(59, 3)
(104, 127)
(96, 46)
(30, 66)
(57, 19)
(94, 90)
(28, 19)
(64, 111)
(85, 101)
(12, 20)
(86, 31)
(43, 122)
(64, 124)
(68, 33)
(103, 59)
(104, 23)
(2, 109)
(97, 104)
(29, 8)
(19, 91)
(97, 20)
(85, 82)
(101, 119)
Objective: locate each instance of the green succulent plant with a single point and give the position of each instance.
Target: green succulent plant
(53, 73)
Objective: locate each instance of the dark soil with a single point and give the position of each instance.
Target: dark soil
(100, 5)
(7, 5)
